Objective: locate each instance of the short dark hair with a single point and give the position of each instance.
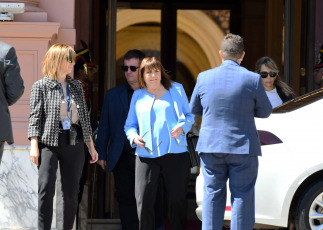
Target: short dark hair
(134, 54)
(152, 63)
(232, 47)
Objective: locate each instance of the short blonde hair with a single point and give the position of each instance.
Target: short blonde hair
(54, 57)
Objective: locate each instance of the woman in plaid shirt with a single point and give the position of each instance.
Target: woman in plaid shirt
(59, 124)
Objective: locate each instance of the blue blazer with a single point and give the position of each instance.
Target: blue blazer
(111, 136)
(229, 97)
(138, 121)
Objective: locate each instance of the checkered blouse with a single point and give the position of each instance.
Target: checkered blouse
(45, 102)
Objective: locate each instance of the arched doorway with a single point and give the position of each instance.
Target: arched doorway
(199, 37)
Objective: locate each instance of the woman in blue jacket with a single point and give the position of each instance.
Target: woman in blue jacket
(158, 119)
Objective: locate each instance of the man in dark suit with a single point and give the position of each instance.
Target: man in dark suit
(11, 89)
(229, 97)
(112, 145)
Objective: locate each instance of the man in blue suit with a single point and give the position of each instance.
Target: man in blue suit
(112, 145)
(229, 97)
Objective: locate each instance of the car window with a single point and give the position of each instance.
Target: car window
(299, 102)
(267, 138)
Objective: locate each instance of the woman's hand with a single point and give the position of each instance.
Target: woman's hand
(92, 151)
(139, 141)
(176, 131)
(94, 155)
(34, 150)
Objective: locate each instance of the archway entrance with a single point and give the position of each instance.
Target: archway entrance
(198, 40)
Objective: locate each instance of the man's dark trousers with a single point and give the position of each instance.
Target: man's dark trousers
(124, 177)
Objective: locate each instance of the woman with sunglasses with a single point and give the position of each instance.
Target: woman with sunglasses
(158, 119)
(59, 124)
(277, 91)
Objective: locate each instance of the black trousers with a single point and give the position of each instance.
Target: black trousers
(175, 171)
(83, 179)
(84, 174)
(70, 160)
(1, 150)
(124, 177)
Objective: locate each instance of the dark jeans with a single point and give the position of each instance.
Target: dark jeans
(124, 177)
(175, 171)
(1, 150)
(70, 160)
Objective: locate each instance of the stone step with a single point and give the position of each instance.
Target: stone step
(99, 224)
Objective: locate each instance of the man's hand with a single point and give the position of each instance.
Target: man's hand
(102, 163)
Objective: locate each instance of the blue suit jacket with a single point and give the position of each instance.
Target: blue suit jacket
(138, 121)
(229, 97)
(111, 136)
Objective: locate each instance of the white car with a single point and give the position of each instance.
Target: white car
(289, 188)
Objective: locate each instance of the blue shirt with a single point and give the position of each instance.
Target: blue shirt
(139, 122)
(162, 119)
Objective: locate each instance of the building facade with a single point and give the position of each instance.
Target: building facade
(185, 35)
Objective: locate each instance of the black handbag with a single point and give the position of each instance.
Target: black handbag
(191, 146)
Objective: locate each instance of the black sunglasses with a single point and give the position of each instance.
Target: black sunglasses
(69, 59)
(132, 68)
(265, 74)
(148, 149)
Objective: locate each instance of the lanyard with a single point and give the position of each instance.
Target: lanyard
(68, 98)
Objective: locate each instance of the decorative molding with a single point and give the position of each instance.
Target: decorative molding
(27, 2)
(48, 30)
